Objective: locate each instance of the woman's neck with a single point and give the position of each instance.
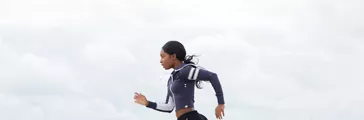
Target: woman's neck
(177, 64)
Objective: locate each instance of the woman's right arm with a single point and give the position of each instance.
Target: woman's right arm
(167, 106)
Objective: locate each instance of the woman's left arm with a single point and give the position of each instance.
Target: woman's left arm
(193, 73)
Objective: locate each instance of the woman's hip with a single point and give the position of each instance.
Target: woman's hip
(192, 115)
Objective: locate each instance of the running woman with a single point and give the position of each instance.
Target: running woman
(181, 85)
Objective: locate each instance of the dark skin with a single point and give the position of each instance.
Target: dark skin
(171, 62)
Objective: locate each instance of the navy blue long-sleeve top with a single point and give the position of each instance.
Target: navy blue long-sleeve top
(181, 88)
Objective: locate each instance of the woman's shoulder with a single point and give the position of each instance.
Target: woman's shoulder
(188, 70)
(187, 67)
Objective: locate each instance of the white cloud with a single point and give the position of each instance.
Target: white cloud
(106, 53)
(277, 60)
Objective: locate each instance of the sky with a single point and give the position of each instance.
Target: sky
(276, 60)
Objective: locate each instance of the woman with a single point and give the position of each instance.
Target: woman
(181, 84)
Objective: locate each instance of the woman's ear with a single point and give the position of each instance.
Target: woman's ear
(173, 56)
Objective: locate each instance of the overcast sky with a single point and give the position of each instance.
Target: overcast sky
(277, 60)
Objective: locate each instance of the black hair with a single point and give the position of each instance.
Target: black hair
(177, 48)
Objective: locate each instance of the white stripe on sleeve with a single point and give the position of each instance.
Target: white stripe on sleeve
(196, 74)
(191, 73)
(166, 107)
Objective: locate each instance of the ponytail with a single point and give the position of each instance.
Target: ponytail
(198, 84)
(188, 59)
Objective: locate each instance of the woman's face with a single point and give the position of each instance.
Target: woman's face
(166, 60)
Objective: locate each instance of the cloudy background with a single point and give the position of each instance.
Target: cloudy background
(277, 60)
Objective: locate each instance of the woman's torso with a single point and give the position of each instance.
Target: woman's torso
(182, 91)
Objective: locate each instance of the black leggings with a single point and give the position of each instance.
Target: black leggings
(193, 115)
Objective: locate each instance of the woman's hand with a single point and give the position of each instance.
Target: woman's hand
(140, 99)
(219, 111)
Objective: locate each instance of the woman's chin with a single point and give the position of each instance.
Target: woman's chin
(166, 68)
